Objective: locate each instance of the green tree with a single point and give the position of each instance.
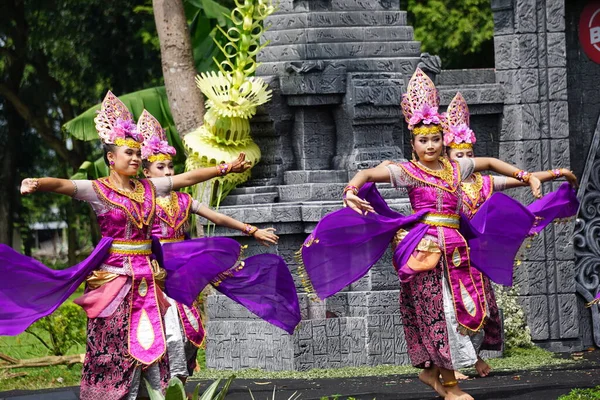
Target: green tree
(461, 32)
(57, 59)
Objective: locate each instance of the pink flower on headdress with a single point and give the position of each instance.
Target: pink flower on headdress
(427, 114)
(124, 128)
(459, 134)
(155, 146)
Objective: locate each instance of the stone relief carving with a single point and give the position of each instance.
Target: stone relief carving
(587, 233)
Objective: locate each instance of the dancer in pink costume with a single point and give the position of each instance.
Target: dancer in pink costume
(442, 301)
(184, 329)
(123, 300)
(476, 189)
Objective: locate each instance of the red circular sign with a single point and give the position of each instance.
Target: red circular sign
(589, 30)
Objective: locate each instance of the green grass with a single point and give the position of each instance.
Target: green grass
(26, 346)
(518, 360)
(582, 394)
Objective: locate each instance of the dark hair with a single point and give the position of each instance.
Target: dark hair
(146, 164)
(108, 148)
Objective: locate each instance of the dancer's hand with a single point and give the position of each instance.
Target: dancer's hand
(29, 185)
(266, 237)
(357, 204)
(535, 185)
(570, 177)
(240, 164)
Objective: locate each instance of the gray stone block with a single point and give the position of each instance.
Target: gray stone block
(524, 154)
(526, 16)
(555, 15)
(530, 277)
(559, 119)
(388, 64)
(527, 50)
(323, 176)
(505, 50)
(555, 153)
(457, 77)
(557, 84)
(536, 309)
(557, 49)
(504, 22)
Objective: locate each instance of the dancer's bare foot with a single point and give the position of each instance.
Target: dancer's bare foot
(431, 377)
(455, 393)
(483, 368)
(460, 376)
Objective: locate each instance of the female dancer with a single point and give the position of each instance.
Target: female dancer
(123, 301)
(442, 303)
(476, 189)
(183, 325)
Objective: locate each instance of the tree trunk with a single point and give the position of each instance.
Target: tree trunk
(9, 200)
(185, 99)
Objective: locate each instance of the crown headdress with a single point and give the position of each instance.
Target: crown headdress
(420, 104)
(115, 125)
(455, 124)
(155, 147)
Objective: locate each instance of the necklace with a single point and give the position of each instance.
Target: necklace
(169, 204)
(473, 189)
(446, 173)
(136, 194)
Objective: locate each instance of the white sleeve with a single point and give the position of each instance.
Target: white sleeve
(195, 207)
(499, 183)
(398, 178)
(467, 167)
(163, 185)
(84, 191)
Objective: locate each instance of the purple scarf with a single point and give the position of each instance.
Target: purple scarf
(345, 244)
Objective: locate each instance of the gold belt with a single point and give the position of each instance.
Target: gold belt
(443, 220)
(131, 247)
(171, 240)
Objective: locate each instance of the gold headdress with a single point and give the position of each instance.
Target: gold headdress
(457, 134)
(420, 105)
(115, 125)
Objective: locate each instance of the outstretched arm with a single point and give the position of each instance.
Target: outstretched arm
(263, 236)
(499, 166)
(545, 176)
(191, 178)
(378, 174)
(54, 185)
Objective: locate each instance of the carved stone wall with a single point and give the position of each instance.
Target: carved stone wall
(531, 65)
(337, 69)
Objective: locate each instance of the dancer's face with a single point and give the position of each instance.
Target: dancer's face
(455, 154)
(158, 169)
(428, 147)
(126, 160)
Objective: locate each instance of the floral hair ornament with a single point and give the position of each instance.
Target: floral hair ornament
(115, 125)
(155, 147)
(420, 105)
(457, 134)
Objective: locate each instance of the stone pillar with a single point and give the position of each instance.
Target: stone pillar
(531, 65)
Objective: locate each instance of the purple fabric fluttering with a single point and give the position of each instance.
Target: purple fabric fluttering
(495, 234)
(29, 290)
(192, 264)
(266, 288)
(264, 285)
(345, 244)
(561, 203)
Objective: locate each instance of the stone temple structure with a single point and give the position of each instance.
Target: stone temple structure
(337, 69)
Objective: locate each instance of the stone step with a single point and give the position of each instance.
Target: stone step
(331, 51)
(249, 199)
(317, 176)
(340, 19)
(378, 64)
(326, 192)
(344, 34)
(337, 5)
(253, 189)
(458, 77)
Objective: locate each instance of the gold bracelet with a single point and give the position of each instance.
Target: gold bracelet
(249, 230)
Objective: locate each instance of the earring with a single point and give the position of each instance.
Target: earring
(112, 163)
(414, 156)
